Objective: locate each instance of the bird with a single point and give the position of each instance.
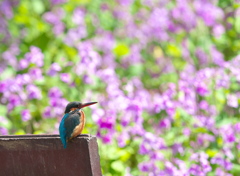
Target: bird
(73, 121)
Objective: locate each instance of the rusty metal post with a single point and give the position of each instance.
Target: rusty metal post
(44, 155)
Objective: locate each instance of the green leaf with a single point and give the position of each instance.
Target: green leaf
(38, 6)
(235, 169)
(70, 51)
(173, 50)
(20, 132)
(38, 132)
(237, 24)
(6, 123)
(3, 110)
(121, 50)
(220, 96)
(136, 69)
(200, 130)
(168, 77)
(220, 141)
(179, 63)
(107, 20)
(118, 166)
(211, 152)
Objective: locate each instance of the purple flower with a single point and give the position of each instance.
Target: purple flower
(97, 114)
(3, 66)
(78, 16)
(59, 110)
(218, 30)
(232, 100)
(208, 12)
(202, 56)
(87, 79)
(186, 131)
(137, 129)
(195, 170)
(134, 57)
(156, 155)
(75, 34)
(23, 79)
(184, 15)
(54, 102)
(55, 67)
(237, 127)
(90, 59)
(36, 73)
(157, 24)
(23, 63)
(204, 121)
(228, 152)
(35, 56)
(227, 132)
(33, 92)
(143, 149)
(107, 138)
(3, 131)
(6, 8)
(220, 172)
(58, 29)
(3, 86)
(222, 81)
(205, 139)
(13, 101)
(123, 138)
(125, 2)
(10, 56)
(202, 89)
(145, 166)
(47, 113)
(55, 92)
(165, 123)
(170, 169)
(56, 2)
(177, 148)
(106, 42)
(217, 57)
(182, 100)
(15, 85)
(25, 115)
(54, 18)
(65, 77)
(204, 105)
(222, 162)
(230, 137)
(107, 123)
(151, 143)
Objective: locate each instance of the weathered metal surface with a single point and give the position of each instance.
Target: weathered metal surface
(44, 155)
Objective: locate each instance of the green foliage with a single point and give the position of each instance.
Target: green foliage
(163, 61)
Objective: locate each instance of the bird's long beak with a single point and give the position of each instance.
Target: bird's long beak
(87, 104)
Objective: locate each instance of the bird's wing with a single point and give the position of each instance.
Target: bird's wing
(62, 131)
(71, 122)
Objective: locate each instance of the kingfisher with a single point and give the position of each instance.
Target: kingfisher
(73, 121)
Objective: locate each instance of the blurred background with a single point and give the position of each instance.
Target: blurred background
(165, 73)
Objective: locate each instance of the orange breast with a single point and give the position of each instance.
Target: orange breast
(78, 129)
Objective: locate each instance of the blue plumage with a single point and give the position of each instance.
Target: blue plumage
(73, 121)
(62, 131)
(68, 124)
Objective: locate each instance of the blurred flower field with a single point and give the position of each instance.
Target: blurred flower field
(166, 75)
